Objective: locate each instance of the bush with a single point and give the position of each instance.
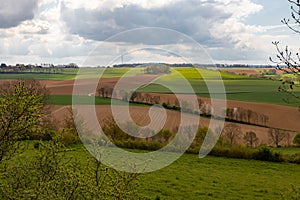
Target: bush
(295, 158)
(67, 138)
(48, 135)
(296, 140)
(45, 135)
(240, 152)
(165, 105)
(36, 145)
(142, 145)
(265, 154)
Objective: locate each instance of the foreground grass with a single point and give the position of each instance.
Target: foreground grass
(207, 178)
(221, 178)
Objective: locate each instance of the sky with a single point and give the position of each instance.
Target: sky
(74, 31)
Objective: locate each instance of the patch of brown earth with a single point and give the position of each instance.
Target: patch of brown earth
(140, 116)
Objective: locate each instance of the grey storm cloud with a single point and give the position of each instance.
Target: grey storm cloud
(189, 17)
(13, 12)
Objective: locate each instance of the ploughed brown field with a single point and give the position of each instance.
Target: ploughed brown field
(282, 117)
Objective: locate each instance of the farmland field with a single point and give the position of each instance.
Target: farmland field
(37, 76)
(189, 177)
(150, 100)
(140, 115)
(238, 87)
(67, 100)
(69, 74)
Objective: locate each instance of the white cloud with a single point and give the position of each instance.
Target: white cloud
(113, 4)
(239, 9)
(63, 30)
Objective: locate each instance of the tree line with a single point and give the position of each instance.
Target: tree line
(232, 114)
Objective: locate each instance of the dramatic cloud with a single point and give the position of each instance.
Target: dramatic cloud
(217, 25)
(189, 17)
(13, 12)
(59, 31)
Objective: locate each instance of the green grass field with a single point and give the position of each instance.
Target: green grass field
(71, 74)
(38, 76)
(207, 178)
(220, 178)
(199, 73)
(84, 100)
(237, 87)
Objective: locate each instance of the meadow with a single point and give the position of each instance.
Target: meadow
(207, 178)
(220, 178)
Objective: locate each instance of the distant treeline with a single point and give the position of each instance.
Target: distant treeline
(194, 65)
(145, 65)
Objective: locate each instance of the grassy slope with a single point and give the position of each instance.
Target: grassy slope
(220, 178)
(209, 178)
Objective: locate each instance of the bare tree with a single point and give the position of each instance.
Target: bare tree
(296, 140)
(289, 139)
(147, 98)
(133, 95)
(286, 60)
(232, 132)
(276, 136)
(101, 91)
(251, 139)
